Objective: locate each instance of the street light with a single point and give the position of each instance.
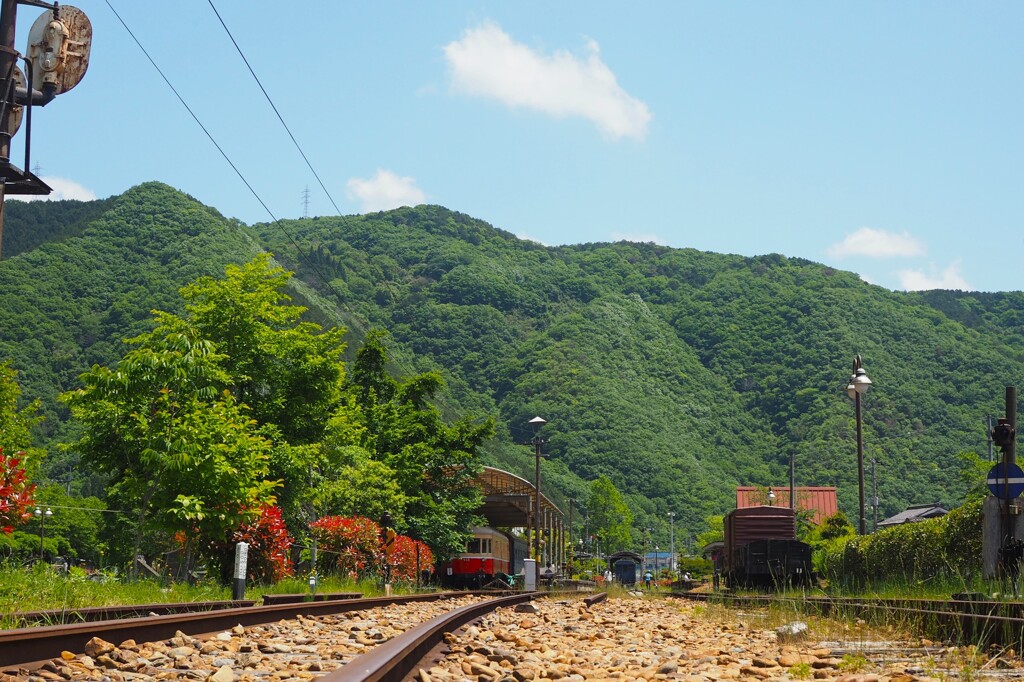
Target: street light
(647, 537)
(537, 441)
(672, 542)
(42, 527)
(859, 384)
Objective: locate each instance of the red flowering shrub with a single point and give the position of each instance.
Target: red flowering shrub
(15, 493)
(350, 544)
(269, 542)
(402, 558)
(354, 545)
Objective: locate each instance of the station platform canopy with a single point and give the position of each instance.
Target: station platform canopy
(508, 499)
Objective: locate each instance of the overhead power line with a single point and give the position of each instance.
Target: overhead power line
(273, 106)
(275, 221)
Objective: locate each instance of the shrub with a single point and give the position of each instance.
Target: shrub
(349, 544)
(353, 546)
(269, 545)
(403, 558)
(942, 547)
(16, 494)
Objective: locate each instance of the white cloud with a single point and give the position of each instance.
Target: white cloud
(488, 63)
(876, 244)
(950, 278)
(649, 238)
(62, 189)
(527, 238)
(384, 191)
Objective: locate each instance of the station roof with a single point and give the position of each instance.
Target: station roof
(508, 499)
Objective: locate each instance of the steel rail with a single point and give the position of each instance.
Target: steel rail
(31, 646)
(980, 622)
(394, 659)
(95, 613)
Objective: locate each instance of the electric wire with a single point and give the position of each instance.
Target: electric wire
(274, 107)
(312, 266)
(287, 129)
(192, 113)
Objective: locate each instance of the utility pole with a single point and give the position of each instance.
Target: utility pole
(874, 497)
(672, 542)
(1010, 450)
(572, 544)
(988, 434)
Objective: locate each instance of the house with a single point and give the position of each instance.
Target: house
(820, 500)
(913, 514)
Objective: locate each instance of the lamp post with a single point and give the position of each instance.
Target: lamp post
(647, 537)
(537, 441)
(672, 542)
(42, 516)
(859, 384)
(568, 537)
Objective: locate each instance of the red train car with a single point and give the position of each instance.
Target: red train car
(489, 554)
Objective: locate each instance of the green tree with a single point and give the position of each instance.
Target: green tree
(837, 526)
(433, 462)
(352, 483)
(74, 528)
(715, 531)
(16, 423)
(974, 475)
(287, 373)
(178, 448)
(610, 518)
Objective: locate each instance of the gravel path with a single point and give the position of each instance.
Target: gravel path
(653, 639)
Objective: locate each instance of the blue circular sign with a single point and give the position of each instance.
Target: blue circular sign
(1006, 481)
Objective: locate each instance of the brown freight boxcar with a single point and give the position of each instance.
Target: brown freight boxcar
(761, 549)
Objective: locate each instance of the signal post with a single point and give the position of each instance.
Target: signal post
(1003, 525)
(55, 61)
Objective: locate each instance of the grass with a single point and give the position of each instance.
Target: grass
(41, 588)
(801, 671)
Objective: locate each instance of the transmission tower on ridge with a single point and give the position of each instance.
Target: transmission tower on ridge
(305, 202)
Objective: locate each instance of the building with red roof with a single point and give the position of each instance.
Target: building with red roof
(821, 500)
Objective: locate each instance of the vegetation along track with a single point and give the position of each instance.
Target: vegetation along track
(960, 621)
(313, 636)
(100, 613)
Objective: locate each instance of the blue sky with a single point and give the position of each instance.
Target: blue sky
(878, 137)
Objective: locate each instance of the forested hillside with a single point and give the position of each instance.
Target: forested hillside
(678, 374)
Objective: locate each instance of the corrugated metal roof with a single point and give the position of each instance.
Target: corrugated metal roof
(820, 499)
(914, 514)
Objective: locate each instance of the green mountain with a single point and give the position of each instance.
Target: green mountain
(677, 373)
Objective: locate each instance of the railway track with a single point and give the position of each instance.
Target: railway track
(453, 637)
(278, 638)
(99, 613)
(27, 648)
(959, 621)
